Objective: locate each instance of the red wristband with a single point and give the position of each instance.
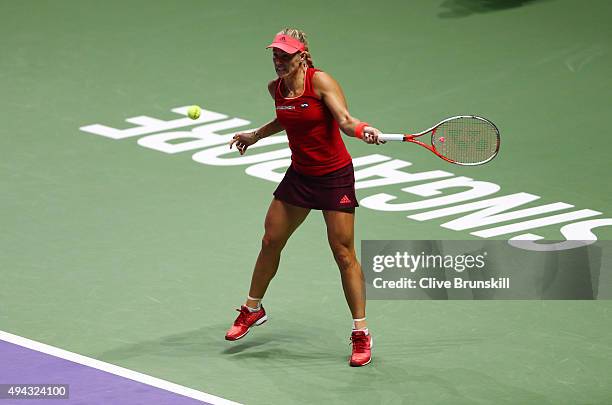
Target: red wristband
(359, 129)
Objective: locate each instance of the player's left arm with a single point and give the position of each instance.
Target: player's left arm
(332, 95)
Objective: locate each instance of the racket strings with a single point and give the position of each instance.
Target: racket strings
(466, 140)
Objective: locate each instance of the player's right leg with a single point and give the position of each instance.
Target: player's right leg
(281, 221)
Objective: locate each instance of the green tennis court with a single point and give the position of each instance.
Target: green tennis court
(125, 243)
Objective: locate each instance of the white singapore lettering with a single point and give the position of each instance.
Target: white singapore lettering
(212, 156)
(535, 223)
(577, 234)
(148, 125)
(203, 136)
(389, 174)
(267, 170)
(263, 165)
(477, 189)
(489, 211)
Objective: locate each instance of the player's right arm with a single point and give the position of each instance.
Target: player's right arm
(245, 139)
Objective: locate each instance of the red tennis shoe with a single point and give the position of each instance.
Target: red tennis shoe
(245, 321)
(362, 348)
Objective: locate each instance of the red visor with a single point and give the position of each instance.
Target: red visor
(286, 43)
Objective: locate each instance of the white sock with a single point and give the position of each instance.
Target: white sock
(257, 308)
(355, 327)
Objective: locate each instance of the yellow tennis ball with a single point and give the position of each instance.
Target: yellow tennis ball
(194, 112)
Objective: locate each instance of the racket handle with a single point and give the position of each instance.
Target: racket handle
(391, 137)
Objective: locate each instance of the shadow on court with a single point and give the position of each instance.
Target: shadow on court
(278, 347)
(465, 8)
(259, 344)
(187, 344)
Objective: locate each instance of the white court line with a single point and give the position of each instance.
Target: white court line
(113, 369)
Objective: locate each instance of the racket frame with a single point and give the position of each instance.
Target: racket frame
(431, 147)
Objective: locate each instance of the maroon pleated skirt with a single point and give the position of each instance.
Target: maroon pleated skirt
(332, 191)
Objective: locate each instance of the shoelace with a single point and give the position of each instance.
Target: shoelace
(242, 318)
(360, 343)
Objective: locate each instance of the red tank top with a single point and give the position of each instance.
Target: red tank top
(314, 135)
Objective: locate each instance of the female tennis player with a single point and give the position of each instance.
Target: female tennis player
(311, 108)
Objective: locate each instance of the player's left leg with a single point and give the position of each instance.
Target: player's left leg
(341, 237)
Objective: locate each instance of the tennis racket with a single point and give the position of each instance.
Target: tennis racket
(465, 140)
